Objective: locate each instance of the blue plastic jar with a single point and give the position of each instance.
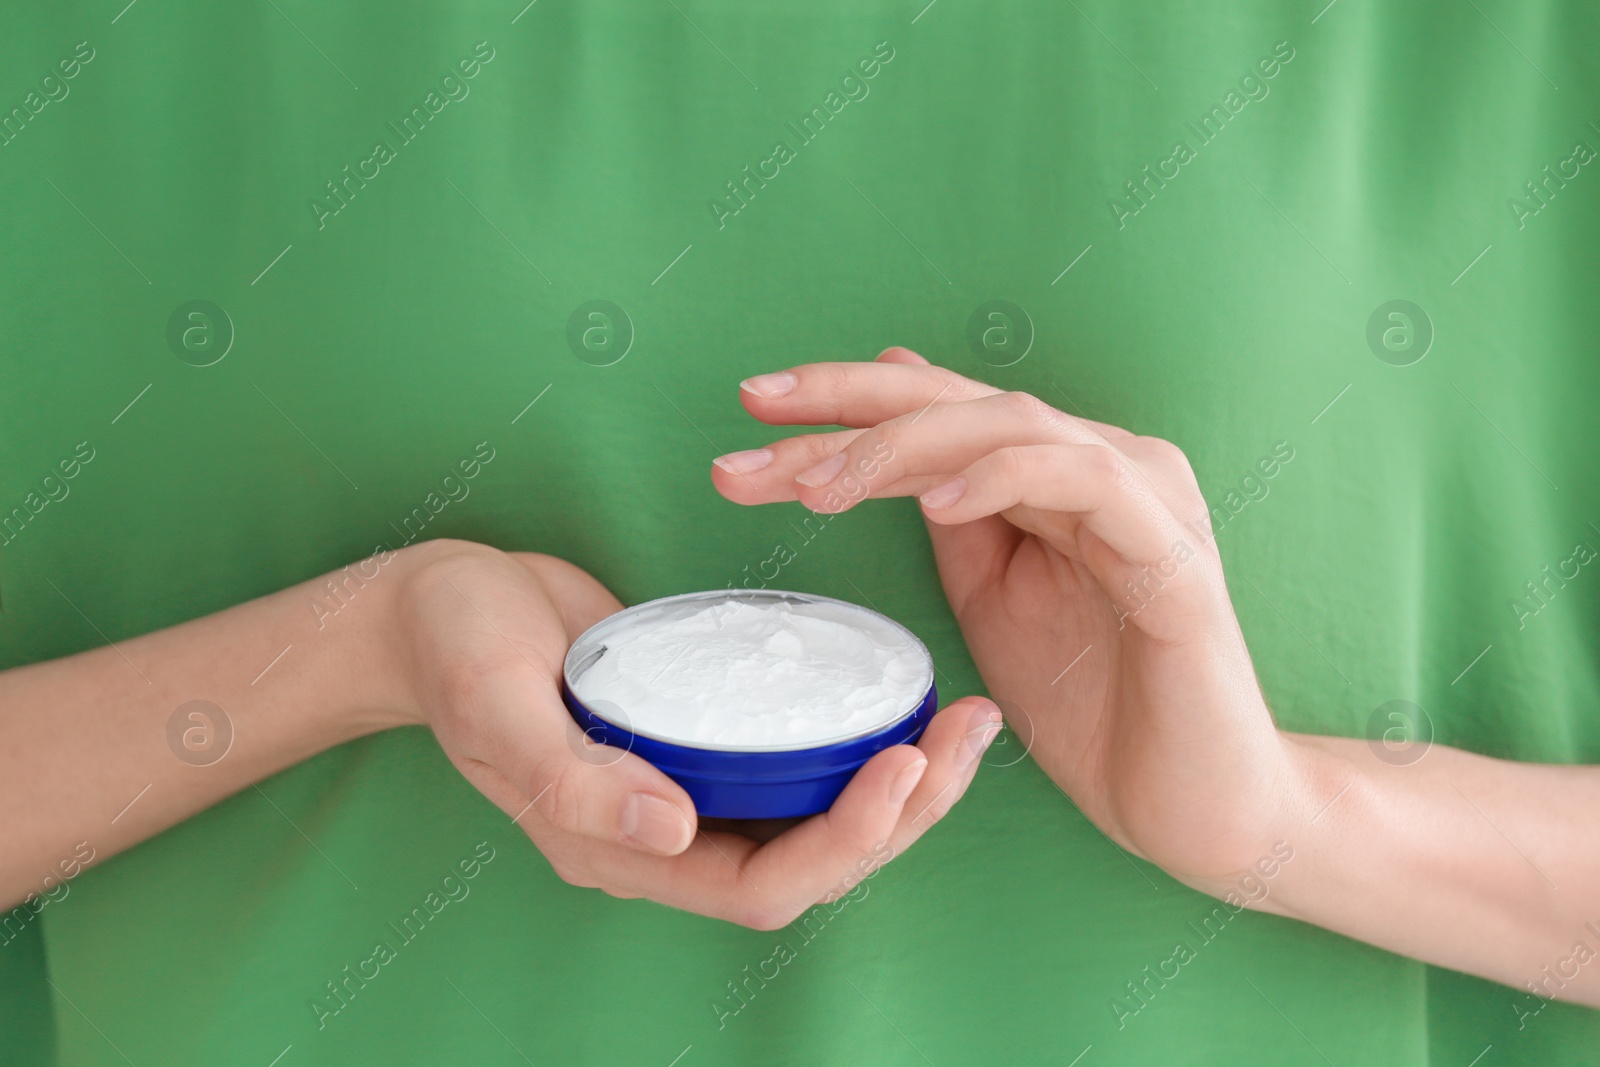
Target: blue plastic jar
(739, 782)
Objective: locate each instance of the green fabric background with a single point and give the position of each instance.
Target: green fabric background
(1225, 315)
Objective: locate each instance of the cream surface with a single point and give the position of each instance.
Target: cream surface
(740, 672)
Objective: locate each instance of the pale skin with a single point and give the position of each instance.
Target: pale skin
(1159, 732)
(468, 641)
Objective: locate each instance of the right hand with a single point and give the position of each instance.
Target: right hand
(485, 632)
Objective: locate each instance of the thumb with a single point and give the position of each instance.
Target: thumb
(574, 784)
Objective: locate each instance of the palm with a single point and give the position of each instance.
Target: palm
(1104, 708)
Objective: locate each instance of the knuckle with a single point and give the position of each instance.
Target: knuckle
(437, 561)
(812, 447)
(1192, 510)
(1177, 483)
(1039, 414)
(1010, 464)
(883, 438)
(1025, 404)
(804, 451)
(1105, 465)
(766, 916)
(565, 873)
(836, 380)
(959, 387)
(560, 795)
(939, 806)
(576, 878)
(871, 457)
(1167, 455)
(1163, 450)
(436, 549)
(571, 873)
(1031, 408)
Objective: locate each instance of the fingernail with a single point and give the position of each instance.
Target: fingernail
(982, 726)
(650, 822)
(899, 352)
(822, 473)
(942, 496)
(744, 462)
(770, 386)
(906, 781)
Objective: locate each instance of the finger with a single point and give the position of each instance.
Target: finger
(526, 734)
(813, 855)
(901, 355)
(731, 877)
(1090, 480)
(555, 844)
(1086, 481)
(903, 456)
(898, 382)
(1173, 480)
(954, 742)
(766, 475)
(500, 704)
(494, 701)
(1144, 546)
(853, 394)
(765, 886)
(860, 833)
(907, 455)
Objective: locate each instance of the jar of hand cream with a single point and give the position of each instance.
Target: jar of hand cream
(760, 704)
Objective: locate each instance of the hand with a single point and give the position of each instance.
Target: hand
(486, 632)
(1078, 560)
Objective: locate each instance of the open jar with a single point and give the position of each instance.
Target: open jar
(760, 704)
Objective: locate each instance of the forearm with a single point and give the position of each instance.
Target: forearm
(87, 766)
(1481, 865)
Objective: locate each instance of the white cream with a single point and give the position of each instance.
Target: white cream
(749, 671)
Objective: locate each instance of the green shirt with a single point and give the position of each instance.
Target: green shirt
(1198, 219)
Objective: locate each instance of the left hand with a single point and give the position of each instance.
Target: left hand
(478, 637)
(1079, 561)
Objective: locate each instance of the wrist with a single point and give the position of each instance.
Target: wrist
(366, 616)
(334, 666)
(1317, 782)
(1272, 832)
(360, 635)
